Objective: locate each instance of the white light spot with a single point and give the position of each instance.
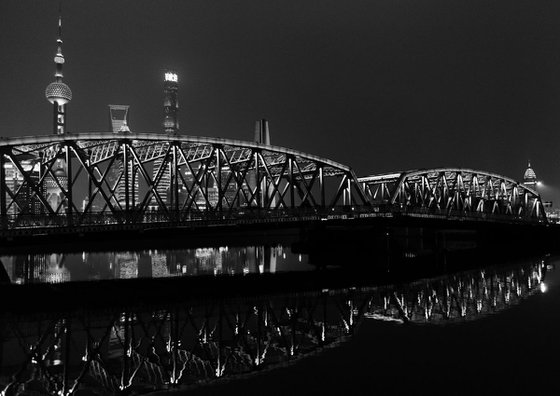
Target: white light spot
(171, 77)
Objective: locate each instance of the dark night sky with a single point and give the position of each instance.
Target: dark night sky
(379, 85)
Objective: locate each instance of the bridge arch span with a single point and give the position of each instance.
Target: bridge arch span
(462, 191)
(80, 179)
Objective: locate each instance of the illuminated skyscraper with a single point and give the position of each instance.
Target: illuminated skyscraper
(58, 93)
(118, 118)
(24, 200)
(171, 127)
(170, 102)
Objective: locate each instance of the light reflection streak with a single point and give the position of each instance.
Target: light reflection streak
(57, 268)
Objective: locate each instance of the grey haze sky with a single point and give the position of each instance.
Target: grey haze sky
(379, 85)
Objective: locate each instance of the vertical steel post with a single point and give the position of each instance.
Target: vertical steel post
(126, 187)
(218, 170)
(257, 195)
(133, 182)
(264, 185)
(69, 187)
(348, 190)
(292, 198)
(89, 174)
(3, 192)
(322, 186)
(174, 187)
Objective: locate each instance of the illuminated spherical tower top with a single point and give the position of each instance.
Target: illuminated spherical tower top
(170, 102)
(57, 92)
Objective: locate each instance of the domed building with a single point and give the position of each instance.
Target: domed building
(530, 177)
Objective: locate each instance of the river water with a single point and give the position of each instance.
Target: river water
(490, 328)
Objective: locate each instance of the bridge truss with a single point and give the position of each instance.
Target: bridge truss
(455, 191)
(76, 180)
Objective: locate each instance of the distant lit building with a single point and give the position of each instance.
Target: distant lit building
(170, 103)
(170, 127)
(118, 118)
(530, 177)
(24, 200)
(57, 92)
(552, 213)
(530, 180)
(59, 95)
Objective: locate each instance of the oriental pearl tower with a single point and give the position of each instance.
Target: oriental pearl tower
(58, 93)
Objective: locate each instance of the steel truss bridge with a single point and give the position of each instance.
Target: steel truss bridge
(100, 179)
(456, 192)
(182, 344)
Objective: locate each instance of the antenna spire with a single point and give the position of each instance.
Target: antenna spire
(58, 93)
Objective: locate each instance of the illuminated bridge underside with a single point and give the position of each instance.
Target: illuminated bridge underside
(81, 179)
(455, 191)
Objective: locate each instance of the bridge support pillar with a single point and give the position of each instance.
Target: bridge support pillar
(70, 186)
(3, 192)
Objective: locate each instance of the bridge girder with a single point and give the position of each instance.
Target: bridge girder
(126, 176)
(461, 191)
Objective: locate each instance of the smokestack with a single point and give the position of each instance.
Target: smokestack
(262, 134)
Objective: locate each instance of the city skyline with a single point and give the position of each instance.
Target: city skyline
(379, 87)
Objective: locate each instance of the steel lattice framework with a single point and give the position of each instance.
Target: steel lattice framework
(455, 191)
(92, 178)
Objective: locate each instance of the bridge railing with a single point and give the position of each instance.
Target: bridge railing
(450, 214)
(173, 218)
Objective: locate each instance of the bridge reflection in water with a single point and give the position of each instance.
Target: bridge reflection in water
(183, 344)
